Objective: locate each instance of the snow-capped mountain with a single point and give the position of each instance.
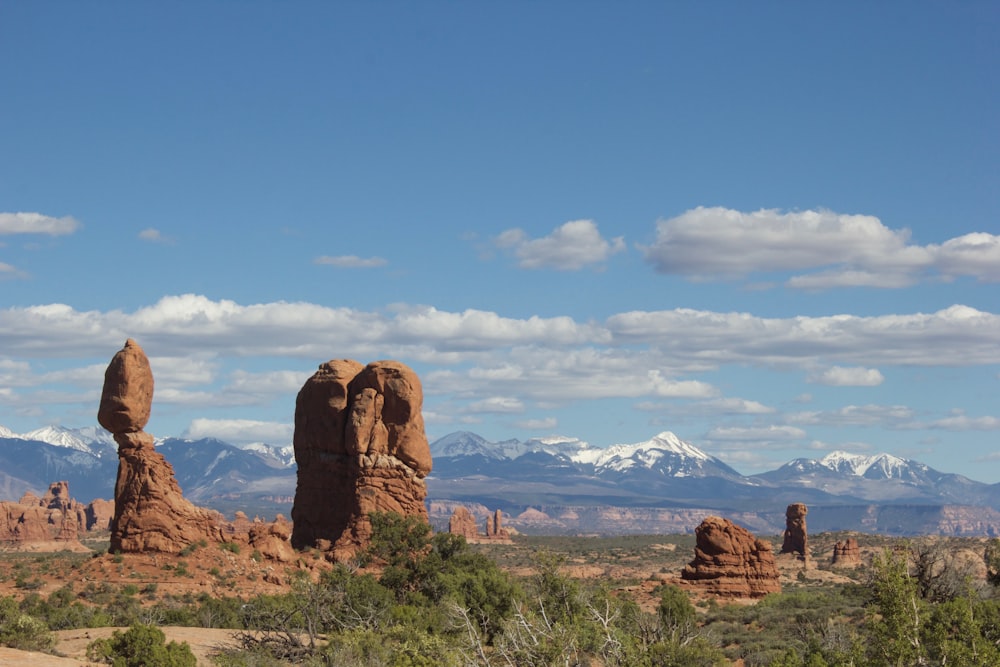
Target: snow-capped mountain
(92, 439)
(466, 444)
(562, 475)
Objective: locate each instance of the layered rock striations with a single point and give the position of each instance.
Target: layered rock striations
(729, 562)
(360, 447)
(151, 513)
(795, 538)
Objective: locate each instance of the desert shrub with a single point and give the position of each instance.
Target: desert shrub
(141, 646)
(22, 631)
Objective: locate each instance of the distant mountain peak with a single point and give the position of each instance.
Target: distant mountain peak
(860, 465)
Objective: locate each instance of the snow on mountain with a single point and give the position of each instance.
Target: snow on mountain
(880, 466)
(7, 433)
(465, 443)
(91, 440)
(284, 455)
(648, 452)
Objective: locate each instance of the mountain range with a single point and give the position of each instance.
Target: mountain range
(550, 484)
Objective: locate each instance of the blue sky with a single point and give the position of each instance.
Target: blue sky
(770, 228)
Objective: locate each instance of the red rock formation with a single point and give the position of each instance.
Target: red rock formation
(796, 540)
(730, 562)
(151, 513)
(463, 523)
(360, 447)
(846, 553)
(272, 539)
(99, 513)
(54, 516)
(494, 527)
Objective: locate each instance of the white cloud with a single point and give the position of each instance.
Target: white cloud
(10, 271)
(713, 407)
(351, 261)
(36, 223)
(154, 236)
(961, 422)
(835, 249)
(240, 431)
(889, 416)
(496, 405)
(544, 424)
(840, 376)
(198, 347)
(756, 433)
(571, 246)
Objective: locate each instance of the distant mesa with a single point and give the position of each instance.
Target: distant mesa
(795, 539)
(729, 562)
(150, 512)
(360, 447)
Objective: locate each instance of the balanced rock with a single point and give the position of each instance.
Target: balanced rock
(729, 562)
(151, 513)
(127, 397)
(360, 447)
(795, 539)
(846, 553)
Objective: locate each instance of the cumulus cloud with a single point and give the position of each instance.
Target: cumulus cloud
(570, 247)
(240, 431)
(543, 424)
(478, 362)
(350, 261)
(833, 249)
(756, 433)
(962, 422)
(840, 376)
(36, 223)
(9, 271)
(154, 236)
(889, 416)
(496, 405)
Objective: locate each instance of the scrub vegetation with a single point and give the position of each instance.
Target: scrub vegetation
(415, 598)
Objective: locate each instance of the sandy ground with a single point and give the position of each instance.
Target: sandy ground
(73, 645)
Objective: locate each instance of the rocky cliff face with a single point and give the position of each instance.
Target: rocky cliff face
(360, 448)
(729, 562)
(151, 513)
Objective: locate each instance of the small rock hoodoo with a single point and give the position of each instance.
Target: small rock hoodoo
(360, 447)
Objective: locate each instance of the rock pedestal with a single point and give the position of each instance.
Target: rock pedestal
(730, 562)
(795, 538)
(360, 447)
(151, 513)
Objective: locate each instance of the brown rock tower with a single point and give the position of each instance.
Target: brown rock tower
(151, 513)
(796, 540)
(360, 448)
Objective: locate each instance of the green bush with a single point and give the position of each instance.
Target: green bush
(22, 631)
(141, 646)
